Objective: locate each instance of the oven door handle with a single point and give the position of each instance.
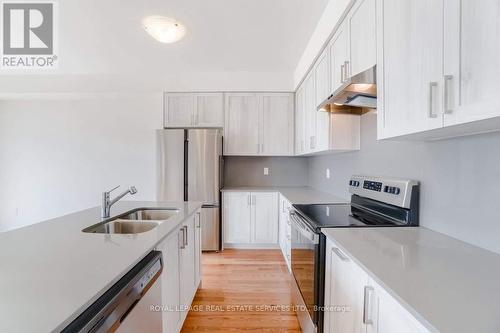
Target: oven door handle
(303, 229)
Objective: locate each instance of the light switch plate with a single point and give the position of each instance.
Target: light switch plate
(327, 173)
(266, 171)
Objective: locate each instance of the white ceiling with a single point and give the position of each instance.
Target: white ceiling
(236, 40)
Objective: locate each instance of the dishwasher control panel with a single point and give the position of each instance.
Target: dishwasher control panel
(150, 274)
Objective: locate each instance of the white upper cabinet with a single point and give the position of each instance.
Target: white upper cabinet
(339, 57)
(241, 130)
(310, 112)
(277, 124)
(209, 109)
(322, 77)
(427, 84)
(193, 110)
(300, 121)
(471, 60)
(178, 109)
(259, 124)
(410, 66)
(322, 86)
(363, 39)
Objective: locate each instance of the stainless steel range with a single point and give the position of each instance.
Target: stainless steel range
(375, 202)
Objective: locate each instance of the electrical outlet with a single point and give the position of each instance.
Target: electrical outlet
(327, 173)
(266, 171)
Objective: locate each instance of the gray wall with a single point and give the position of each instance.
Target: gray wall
(249, 171)
(459, 177)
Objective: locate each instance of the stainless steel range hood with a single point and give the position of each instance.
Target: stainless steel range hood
(358, 91)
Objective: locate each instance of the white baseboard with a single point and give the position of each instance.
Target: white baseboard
(251, 246)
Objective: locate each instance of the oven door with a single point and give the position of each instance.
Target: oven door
(305, 262)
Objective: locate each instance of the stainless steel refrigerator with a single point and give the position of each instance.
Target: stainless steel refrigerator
(190, 169)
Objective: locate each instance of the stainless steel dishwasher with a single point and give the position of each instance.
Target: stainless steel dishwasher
(126, 306)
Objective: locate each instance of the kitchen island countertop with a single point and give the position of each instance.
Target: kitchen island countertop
(51, 271)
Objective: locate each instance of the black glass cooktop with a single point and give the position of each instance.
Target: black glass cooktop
(337, 216)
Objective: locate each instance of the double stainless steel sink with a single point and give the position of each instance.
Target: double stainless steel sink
(133, 222)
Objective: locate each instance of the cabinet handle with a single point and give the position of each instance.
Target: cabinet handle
(311, 142)
(340, 254)
(367, 305)
(347, 72)
(186, 236)
(258, 148)
(342, 69)
(432, 85)
(254, 199)
(249, 200)
(198, 224)
(261, 147)
(448, 80)
(183, 246)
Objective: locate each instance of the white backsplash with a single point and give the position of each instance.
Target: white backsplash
(459, 182)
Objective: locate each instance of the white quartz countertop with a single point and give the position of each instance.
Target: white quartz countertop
(50, 272)
(296, 195)
(449, 285)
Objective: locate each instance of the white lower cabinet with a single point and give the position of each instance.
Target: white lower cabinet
(181, 273)
(355, 303)
(250, 219)
(344, 292)
(285, 230)
(389, 316)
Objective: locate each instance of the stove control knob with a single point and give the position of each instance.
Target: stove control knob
(397, 190)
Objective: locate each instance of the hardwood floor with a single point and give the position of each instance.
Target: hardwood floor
(237, 286)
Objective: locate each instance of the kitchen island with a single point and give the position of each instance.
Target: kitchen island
(51, 271)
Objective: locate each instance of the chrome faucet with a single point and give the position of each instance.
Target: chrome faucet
(107, 202)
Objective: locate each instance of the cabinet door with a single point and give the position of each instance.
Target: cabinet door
(170, 282)
(197, 251)
(390, 317)
(310, 112)
(282, 224)
(346, 287)
(322, 77)
(277, 124)
(339, 55)
(236, 217)
(178, 110)
(472, 66)
(265, 218)
(322, 86)
(241, 124)
(410, 66)
(363, 39)
(300, 121)
(209, 109)
(187, 264)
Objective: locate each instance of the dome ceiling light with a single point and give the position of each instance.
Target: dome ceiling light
(164, 29)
